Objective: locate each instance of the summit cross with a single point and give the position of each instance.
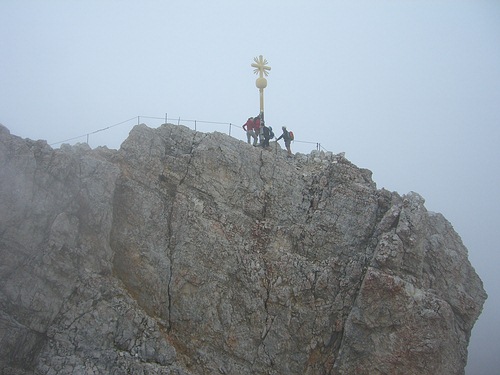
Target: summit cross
(262, 69)
(260, 66)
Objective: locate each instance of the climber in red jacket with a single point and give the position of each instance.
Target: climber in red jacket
(249, 127)
(257, 129)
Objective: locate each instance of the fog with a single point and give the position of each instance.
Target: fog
(407, 89)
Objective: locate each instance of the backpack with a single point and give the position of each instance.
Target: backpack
(271, 134)
(292, 137)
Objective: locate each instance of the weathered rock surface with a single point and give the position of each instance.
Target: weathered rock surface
(191, 253)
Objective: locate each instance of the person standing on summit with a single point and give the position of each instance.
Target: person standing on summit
(257, 127)
(267, 131)
(249, 128)
(286, 137)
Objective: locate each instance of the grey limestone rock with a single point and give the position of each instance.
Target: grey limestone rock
(191, 253)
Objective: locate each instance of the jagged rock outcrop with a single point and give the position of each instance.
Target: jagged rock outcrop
(190, 253)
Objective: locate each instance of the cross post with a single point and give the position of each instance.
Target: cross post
(262, 69)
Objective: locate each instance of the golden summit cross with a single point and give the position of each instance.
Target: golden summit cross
(260, 66)
(262, 69)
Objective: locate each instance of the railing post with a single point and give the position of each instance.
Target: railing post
(138, 120)
(229, 128)
(179, 121)
(194, 125)
(166, 118)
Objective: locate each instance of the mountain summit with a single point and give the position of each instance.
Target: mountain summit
(190, 253)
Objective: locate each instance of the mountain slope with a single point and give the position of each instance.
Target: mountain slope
(193, 253)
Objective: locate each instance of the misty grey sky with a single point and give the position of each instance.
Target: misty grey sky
(408, 89)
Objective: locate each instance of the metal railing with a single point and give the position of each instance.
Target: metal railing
(180, 121)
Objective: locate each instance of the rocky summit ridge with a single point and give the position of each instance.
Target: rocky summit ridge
(190, 253)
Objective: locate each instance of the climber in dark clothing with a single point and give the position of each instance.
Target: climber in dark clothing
(268, 134)
(287, 139)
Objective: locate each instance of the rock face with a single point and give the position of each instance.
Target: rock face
(191, 253)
